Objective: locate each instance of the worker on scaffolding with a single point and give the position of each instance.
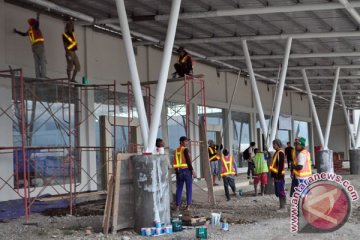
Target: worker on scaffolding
(37, 45)
(184, 172)
(184, 65)
(70, 45)
(214, 158)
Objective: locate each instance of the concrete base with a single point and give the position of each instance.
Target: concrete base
(324, 161)
(355, 161)
(151, 190)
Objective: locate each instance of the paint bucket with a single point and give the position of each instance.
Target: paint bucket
(225, 226)
(157, 224)
(153, 231)
(148, 232)
(169, 229)
(158, 231)
(177, 225)
(215, 218)
(143, 232)
(201, 232)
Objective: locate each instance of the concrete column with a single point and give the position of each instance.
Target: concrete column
(151, 190)
(355, 161)
(3, 33)
(324, 161)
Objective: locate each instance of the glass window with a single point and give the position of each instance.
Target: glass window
(241, 134)
(176, 120)
(214, 116)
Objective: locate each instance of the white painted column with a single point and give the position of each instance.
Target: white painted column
(139, 101)
(280, 92)
(357, 135)
(255, 88)
(346, 117)
(164, 71)
(331, 109)
(313, 109)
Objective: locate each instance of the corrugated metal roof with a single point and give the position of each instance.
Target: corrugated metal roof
(294, 22)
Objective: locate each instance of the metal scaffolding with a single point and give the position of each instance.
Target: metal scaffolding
(59, 108)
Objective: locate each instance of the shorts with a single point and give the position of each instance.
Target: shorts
(262, 178)
(214, 168)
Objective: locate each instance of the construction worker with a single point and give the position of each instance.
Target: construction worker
(301, 165)
(277, 169)
(214, 158)
(37, 45)
(249, 156)
(184, 65)
(261, 170)
(70, 45)
(184, 172)
(228, 172)
(288, 154)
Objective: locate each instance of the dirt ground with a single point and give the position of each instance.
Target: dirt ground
(249, 217)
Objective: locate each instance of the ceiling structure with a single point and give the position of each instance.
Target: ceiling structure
(326, 35)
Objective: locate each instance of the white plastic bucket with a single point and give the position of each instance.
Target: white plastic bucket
(215, 218)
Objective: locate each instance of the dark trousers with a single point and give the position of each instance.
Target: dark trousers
(184, 176)
(229, 181)
(182, 69)
(279, 188)
(251, 167)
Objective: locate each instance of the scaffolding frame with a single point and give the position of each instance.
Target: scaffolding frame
(74, 113)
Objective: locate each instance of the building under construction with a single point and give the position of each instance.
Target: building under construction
(262, 70)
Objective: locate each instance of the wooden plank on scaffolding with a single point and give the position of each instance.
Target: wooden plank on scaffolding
(108, 206)
(204, 160)
(78, 195)
(117, 191)
(170, 80)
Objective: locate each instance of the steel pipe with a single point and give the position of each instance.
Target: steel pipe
(164, 71)
(346, 117)
(331, 110)
(255, 89)
(134, 74)
(351, 10)
(280, 92)
(313, 109)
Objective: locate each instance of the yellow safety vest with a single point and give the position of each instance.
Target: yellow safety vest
(306, 170)
(72, 41)
(213, 154)
(35, 36)
(274, 166)
(179, 158)
(227, 166)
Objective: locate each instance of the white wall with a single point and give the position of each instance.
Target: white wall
(102, 58)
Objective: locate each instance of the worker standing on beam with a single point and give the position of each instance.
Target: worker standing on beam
(184, 172)
(70, 45)
(277, 168)
(37, 45)
(214, 158)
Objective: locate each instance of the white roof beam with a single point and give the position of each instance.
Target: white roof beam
(292, 56)
(351, 10)
(325, 77)
(251, 11)
(315, 67)
(269, 37)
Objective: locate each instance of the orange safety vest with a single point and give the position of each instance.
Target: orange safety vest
(306, 170)
(227, 167)
(274, 166)
(35, 35)
(72, 43)
(179, 158)
(213, 156)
